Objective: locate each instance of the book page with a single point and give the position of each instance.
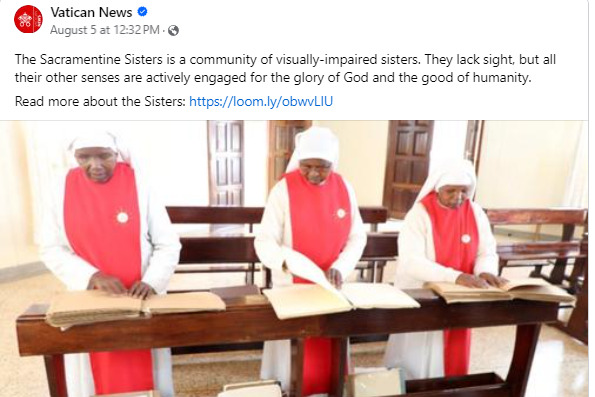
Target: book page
(185, 302)
(545, 293)
(451, 288)
(301, 266)
(523, 282)
(302, 300)
(381, 296)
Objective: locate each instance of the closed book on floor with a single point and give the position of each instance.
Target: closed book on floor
(148, 393)
(376, 383)
(528, 289)
(266, 388)
(86, 307)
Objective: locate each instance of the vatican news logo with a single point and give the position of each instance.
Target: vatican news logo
(28, 19)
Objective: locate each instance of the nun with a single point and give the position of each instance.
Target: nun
(446, 237)
(106, 230)
(311, 210)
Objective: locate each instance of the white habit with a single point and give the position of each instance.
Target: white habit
(421, 354)
(275, 233)
(160, 250)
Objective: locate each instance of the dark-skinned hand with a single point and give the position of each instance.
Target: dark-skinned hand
(141, 290)
(107, 283)
(493, 280)
(469, 280)
(334, 277)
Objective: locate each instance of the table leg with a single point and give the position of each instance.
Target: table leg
(524, 349)
(297, 367)
(339, 365)
(54, 368)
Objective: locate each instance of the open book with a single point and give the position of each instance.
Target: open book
(535, 289)
(302, 300)
(86, 307)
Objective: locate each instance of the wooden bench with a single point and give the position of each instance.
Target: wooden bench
(371, 270)
(239, 249)
(252, 215)
(577, 325)
(557, 252)
(253, 320)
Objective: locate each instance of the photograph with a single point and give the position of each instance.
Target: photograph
(237, 258)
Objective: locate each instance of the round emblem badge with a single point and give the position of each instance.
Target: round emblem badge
(28, 19)
(466, 239)
(122, 217)
(341, 213)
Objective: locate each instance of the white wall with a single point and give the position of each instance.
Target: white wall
(362, 159)
(16, 212)
(448, 141)
(526, 163)
(256, 162)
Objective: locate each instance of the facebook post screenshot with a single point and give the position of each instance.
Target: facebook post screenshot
(288, 199)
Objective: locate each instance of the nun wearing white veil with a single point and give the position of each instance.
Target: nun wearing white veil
(106, 229)
(446, 237)
(311, 210)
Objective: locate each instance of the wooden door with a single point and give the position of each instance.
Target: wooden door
(407, 163)
(226, 163)
(281, 145)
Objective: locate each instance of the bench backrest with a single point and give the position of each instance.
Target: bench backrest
(568, 217)
(240, 249)
(560, 248)
(249, 215)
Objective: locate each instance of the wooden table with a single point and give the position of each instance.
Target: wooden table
(252, 319)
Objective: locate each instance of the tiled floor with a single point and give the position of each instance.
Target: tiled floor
(560, 367)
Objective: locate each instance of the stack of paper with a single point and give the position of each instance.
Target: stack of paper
(528, 288)
(183, 303)
(87, 307)
(320, 297)
(454, 293)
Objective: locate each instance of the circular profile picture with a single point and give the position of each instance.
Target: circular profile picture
(28, 19)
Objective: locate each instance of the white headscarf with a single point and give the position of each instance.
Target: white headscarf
(315, 143)
(457, 172)
(102, 139)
